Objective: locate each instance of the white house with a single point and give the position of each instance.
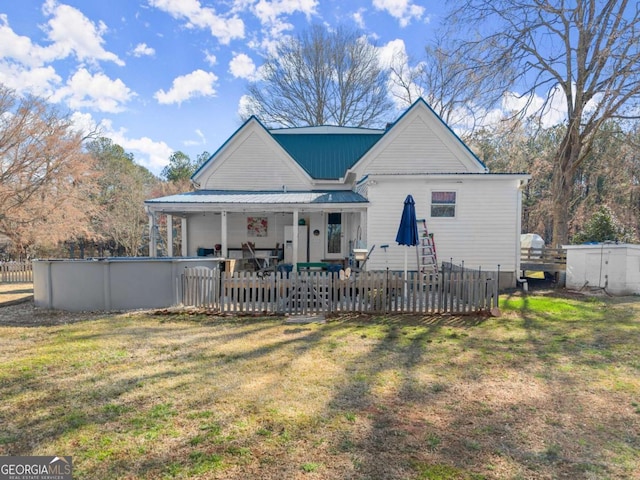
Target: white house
(344, 188)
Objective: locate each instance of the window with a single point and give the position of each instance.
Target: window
(443, 204)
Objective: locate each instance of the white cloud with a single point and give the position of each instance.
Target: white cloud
(402, 10)
(358, 18)
(97, 92)
(531, 107)
(73, 33)
(244, 106)
(271, 14)
(553, 113)
(201, 140)
(147, 152)
(143, 50)
(210, 58)
(195, 84)
(83, 122)
(268, 12)
(40, 81)
(241, 66)
(18, 47)
(394, 55)
(156, 154)
(392, 52)
(223, 28)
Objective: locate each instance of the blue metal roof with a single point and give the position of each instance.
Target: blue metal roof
(326, 155)
(264, 197)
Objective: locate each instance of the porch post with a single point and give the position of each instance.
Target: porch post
(169, 235)
(363, 226)
(295, 239)
(152, 235)
(223, 234)
(184, 236)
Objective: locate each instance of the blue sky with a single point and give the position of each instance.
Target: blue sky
(158, 76)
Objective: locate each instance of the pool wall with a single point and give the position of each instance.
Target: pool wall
(107, 284)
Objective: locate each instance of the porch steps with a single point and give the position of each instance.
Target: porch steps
(427, 253)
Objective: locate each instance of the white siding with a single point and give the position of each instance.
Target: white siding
(484, 232)
(204, 230)
(316, 221)
(253, 160)
(418, 143)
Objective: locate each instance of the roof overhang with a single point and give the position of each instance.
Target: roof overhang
(448, 176)
(267, 201)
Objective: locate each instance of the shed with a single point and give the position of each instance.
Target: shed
(609, 266)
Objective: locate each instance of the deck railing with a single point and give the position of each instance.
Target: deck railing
(543, 259)
(455, 292)
(16, 272)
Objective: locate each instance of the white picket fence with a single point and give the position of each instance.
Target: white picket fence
(16, 272)
(455, 292)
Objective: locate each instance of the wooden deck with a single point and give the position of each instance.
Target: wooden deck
(552, 260)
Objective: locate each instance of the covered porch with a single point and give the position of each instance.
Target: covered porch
(290, 227)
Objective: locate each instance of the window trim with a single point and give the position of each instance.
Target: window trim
(455, 203)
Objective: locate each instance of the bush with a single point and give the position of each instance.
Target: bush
(603, 226)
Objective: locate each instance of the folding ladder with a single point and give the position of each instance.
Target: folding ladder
(427, 253)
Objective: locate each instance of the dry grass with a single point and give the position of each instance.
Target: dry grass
(15, 292)
(549, 390)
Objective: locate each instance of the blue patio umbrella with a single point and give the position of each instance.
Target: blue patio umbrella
(408, 230)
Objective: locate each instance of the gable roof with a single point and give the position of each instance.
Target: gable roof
(251, 149)
(418, 127)
(328, 152)
(422, 101)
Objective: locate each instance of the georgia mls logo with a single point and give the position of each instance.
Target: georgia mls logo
(36, 468)
(60, 466)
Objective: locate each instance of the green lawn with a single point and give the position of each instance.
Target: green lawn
(551, 389)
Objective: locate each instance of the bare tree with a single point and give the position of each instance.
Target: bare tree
(321, 77)
(122, 189)
(444, 80)
(45, 176)
(585, 53)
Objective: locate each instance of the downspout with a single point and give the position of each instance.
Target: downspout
(522, 281)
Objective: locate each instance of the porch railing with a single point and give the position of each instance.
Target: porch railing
(543, 259)
(455, 292)
(16, 272)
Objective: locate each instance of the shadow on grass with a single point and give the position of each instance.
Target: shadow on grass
(430, 421)
(410, 396)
